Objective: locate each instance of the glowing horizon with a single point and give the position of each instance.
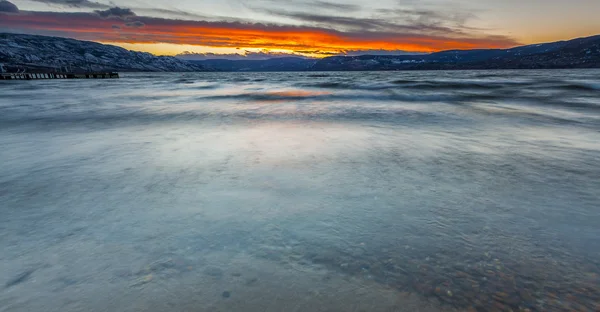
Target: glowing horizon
(267, 27)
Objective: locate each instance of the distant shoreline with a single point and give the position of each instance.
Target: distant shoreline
(30, 51)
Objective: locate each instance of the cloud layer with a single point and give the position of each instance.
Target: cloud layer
(75, 3)
(265, 54)
(115, 12)
(245, 55)
(317, 35)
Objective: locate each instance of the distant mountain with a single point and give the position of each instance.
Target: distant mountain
(47, 53)
(576, 53)
(273, 64)
(42, 53)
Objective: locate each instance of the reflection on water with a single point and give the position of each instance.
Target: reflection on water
(404, 191)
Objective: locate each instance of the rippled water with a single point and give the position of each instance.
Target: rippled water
(376, 191)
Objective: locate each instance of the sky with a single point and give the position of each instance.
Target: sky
(312, 28)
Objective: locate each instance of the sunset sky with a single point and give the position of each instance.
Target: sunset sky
(307, 27)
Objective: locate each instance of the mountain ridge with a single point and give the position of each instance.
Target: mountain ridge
(45, 53)
(560, 54)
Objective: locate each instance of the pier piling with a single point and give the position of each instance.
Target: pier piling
(31, 76)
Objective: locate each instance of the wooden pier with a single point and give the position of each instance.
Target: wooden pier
(31, 76)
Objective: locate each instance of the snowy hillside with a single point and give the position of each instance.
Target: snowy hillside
(47, 53)
(576, 53)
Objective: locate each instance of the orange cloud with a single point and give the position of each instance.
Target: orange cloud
(306, 40)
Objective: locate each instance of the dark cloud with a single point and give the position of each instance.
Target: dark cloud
(264, 55)
(247, 55)
(451, 18)
(98, 5)
(136, 24)
(315, 5)
(408, 17)
(319, 52)
(115, 27)
(377, 52)
(333, 6)
(75, 3)
(308, 39)
(8, 7)
(162, 12)
(116, 12)
(366, 24)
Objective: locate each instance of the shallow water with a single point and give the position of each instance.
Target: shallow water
(378, 191)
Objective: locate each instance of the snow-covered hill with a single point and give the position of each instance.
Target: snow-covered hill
(576, 53)
(48, 53)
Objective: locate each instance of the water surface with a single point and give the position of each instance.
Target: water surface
(376, 191)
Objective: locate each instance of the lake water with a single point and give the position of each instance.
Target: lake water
(366, 191)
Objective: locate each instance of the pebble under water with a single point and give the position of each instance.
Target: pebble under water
(366, 191)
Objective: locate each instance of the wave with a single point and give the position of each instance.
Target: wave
(347, 86)
(329, 85)
(513, 112)
(301, 95)
(410, 84)
(380, 96)
(437, 85)
(206, 87)
(579, 87)
(145, 117)
(270, 96)
(185, 80)
(405, 114)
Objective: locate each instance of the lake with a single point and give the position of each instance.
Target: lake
(311, 191)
